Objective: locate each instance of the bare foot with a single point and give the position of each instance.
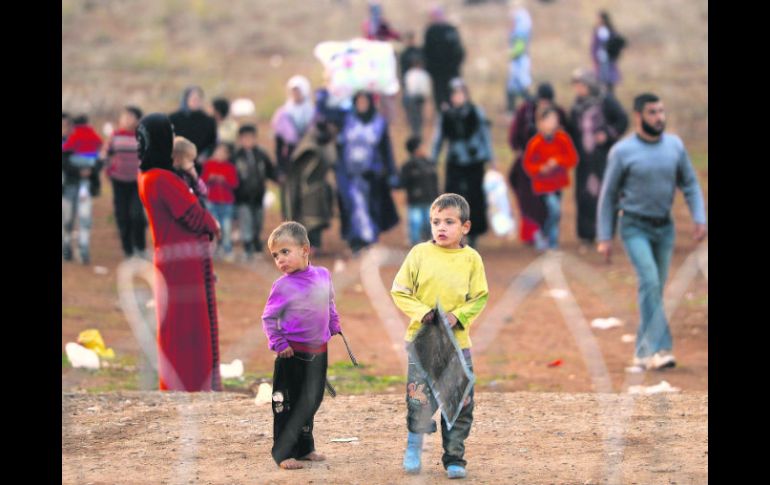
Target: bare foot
(290, 464)
(314, 456)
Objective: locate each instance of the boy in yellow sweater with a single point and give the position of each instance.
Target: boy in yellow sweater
(451, 272)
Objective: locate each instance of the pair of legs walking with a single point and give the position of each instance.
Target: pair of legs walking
(421, 406)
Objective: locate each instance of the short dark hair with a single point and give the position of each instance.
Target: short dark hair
(221, 106)
(643, 99)
(228, 146)
(456, 201)
(80, 120)
(136, 112)
(545, 91)
(247, 129)
(413, 143)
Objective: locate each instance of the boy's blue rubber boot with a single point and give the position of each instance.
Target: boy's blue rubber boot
(456, 471)
(413, 453)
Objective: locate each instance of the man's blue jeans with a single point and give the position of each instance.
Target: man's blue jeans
(649, 247)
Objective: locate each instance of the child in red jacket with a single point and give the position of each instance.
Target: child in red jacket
(221, 179)
(547, 160)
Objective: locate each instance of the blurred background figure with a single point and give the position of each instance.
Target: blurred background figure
(254, 169)
(376, 27)
(122, 168)
(420, 181)
(227, 127)
(221, 179)
(411, 53)
(416, 91)
(290, 122)
(519, 65)
(309, 197)
(415, 82)
(549, 156)
(80, 167)
(465, 129)
(191, 122)
(523, 128)
(444, 53)
(365, 175)
(597, 121)
(606, 46)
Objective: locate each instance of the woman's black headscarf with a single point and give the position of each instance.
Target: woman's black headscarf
(155, 135)
(367, 116)
(460, 122)
(186, 95)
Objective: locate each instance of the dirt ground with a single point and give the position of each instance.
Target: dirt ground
(524, 437)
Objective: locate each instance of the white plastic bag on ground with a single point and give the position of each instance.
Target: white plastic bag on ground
(81, 357)
(231, 370)
(498, 205)
(264, 394)
(656, 389)
(605, 323)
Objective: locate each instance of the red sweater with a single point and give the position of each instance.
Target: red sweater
(539, 151)
(83, 140)
(220, 191)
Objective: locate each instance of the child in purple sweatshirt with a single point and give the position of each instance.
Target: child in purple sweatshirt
(299, 318)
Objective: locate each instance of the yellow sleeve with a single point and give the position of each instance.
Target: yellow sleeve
(404, 289)
(478, 294)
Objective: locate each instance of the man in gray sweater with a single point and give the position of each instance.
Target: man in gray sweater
(642, 174)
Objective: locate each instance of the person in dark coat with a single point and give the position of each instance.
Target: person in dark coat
(443, 53)
(309, 197)
(466, 130)
(597, 121)
(191, 122)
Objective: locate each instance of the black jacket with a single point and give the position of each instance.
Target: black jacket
(254, 168)
(419, 178)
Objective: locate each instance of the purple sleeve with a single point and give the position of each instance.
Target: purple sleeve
(334, 318)
(274, 308)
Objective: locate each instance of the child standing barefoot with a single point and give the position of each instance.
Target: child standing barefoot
(299, 318)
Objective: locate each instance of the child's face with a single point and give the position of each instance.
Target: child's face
(127, 121)
(184, 161)
(446, 228)
(549, 124)
(247, 141)
(458, 98)
(221, 153)
(289, 256)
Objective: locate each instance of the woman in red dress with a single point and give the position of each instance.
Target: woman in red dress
(185, 302)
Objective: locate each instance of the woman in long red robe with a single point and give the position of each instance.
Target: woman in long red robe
(185, 301)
